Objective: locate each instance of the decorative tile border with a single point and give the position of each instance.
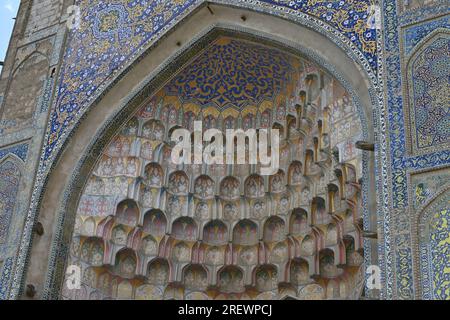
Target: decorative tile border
(5, 277)
(414, 33)
(424, 13)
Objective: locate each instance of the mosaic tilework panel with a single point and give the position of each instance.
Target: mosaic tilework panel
(415, 33)
(9, 187)
(111, 34)
(440, 252)
(404, 269)
(264, 71)
(353, 18)
(400, 161)
(20, 151)
(434, 245)
(429, 93)
(425, 185)
(4, 278)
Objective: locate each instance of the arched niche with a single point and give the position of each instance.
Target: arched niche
(10, 175)
(229, 188)
(181, 253)
(298, 222)
(299, 272)
(98, 126)
(327, 267)
(158, 271)
(231, 279)
(352, 255)
(254, 186)
(149, 246)
(308, 245)
(215, 233)
(266, 278)
(427, 70)
(131, 128)
(195, 277)
(185, 228)
(432, 239)
(319, 212)
(178, 183)
(295, 173)
(204, 187)
(274, 229)
(126, 263)
(155, 222)
(127, 213)
(92, 251)
(119, 235)
(245, 233)
(154, 175)
(277, 182)
(153, 130)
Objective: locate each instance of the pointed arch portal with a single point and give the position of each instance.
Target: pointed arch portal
(229, 73)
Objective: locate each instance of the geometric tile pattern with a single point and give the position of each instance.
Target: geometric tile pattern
(434, 247)
(429, 93)
(401, 161)
(440, 253)
(20, 151)
(415, 33)
(9, 187)
(5, 275)
(426, 185)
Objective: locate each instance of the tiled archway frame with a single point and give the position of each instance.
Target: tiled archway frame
(16, 157)
(410, 121)
(62, 224)
(421, 220)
